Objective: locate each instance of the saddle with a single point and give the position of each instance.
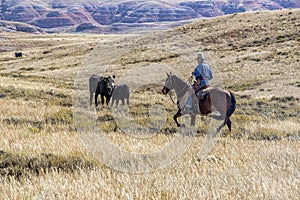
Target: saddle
(199, 103)
(203, 96)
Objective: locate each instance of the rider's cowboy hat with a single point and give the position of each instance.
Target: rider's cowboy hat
(200, 56)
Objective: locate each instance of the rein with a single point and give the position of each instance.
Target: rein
(171, 98)
(190, 79)
(184, 88)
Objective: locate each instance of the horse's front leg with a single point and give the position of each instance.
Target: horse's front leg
(193, 120)
(178, 114)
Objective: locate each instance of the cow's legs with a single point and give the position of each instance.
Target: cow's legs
(102, 100)
(96, 99)
(112, 102)
(128, 101)
(91, 97)
(107, 100)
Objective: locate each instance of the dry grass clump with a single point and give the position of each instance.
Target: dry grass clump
(18, 166)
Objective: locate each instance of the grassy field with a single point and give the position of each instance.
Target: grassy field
(43, 154)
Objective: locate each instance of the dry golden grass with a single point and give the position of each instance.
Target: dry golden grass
(235, 169)
(255, 55)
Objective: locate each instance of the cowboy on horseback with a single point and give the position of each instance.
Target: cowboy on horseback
(217, 99)
(203, 74)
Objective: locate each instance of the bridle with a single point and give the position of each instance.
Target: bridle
(184, 88)
(172, 98)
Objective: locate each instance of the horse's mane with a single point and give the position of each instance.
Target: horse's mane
(180, 80)
(180, 86)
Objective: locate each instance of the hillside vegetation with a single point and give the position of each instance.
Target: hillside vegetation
(255, 55)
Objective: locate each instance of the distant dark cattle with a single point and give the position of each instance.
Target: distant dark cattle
(18, 54)
(104, 89)
(120, 92)
(93, 82)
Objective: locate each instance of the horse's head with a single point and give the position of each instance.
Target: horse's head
(168, 84)
(174, 82)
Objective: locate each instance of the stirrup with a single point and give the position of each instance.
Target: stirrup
(188, 110)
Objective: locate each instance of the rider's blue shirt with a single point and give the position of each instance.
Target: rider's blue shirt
(203, 73)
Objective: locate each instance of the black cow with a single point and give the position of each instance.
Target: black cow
(104, 89)
(120, 92)
(18, 54)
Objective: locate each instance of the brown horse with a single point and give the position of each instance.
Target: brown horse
(217, 99)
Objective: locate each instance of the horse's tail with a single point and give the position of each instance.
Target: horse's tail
(232, 106)
(230, 111)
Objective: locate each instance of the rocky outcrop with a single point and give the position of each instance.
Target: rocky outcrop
(204, 8)
(71, 15)
(288, 4)
(22, 13)
(52, 22)
(18, 26)
(88, 27)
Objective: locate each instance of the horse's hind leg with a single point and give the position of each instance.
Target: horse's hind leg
(230, 110)
(178, 114)
(193, 120)
(227, 122)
